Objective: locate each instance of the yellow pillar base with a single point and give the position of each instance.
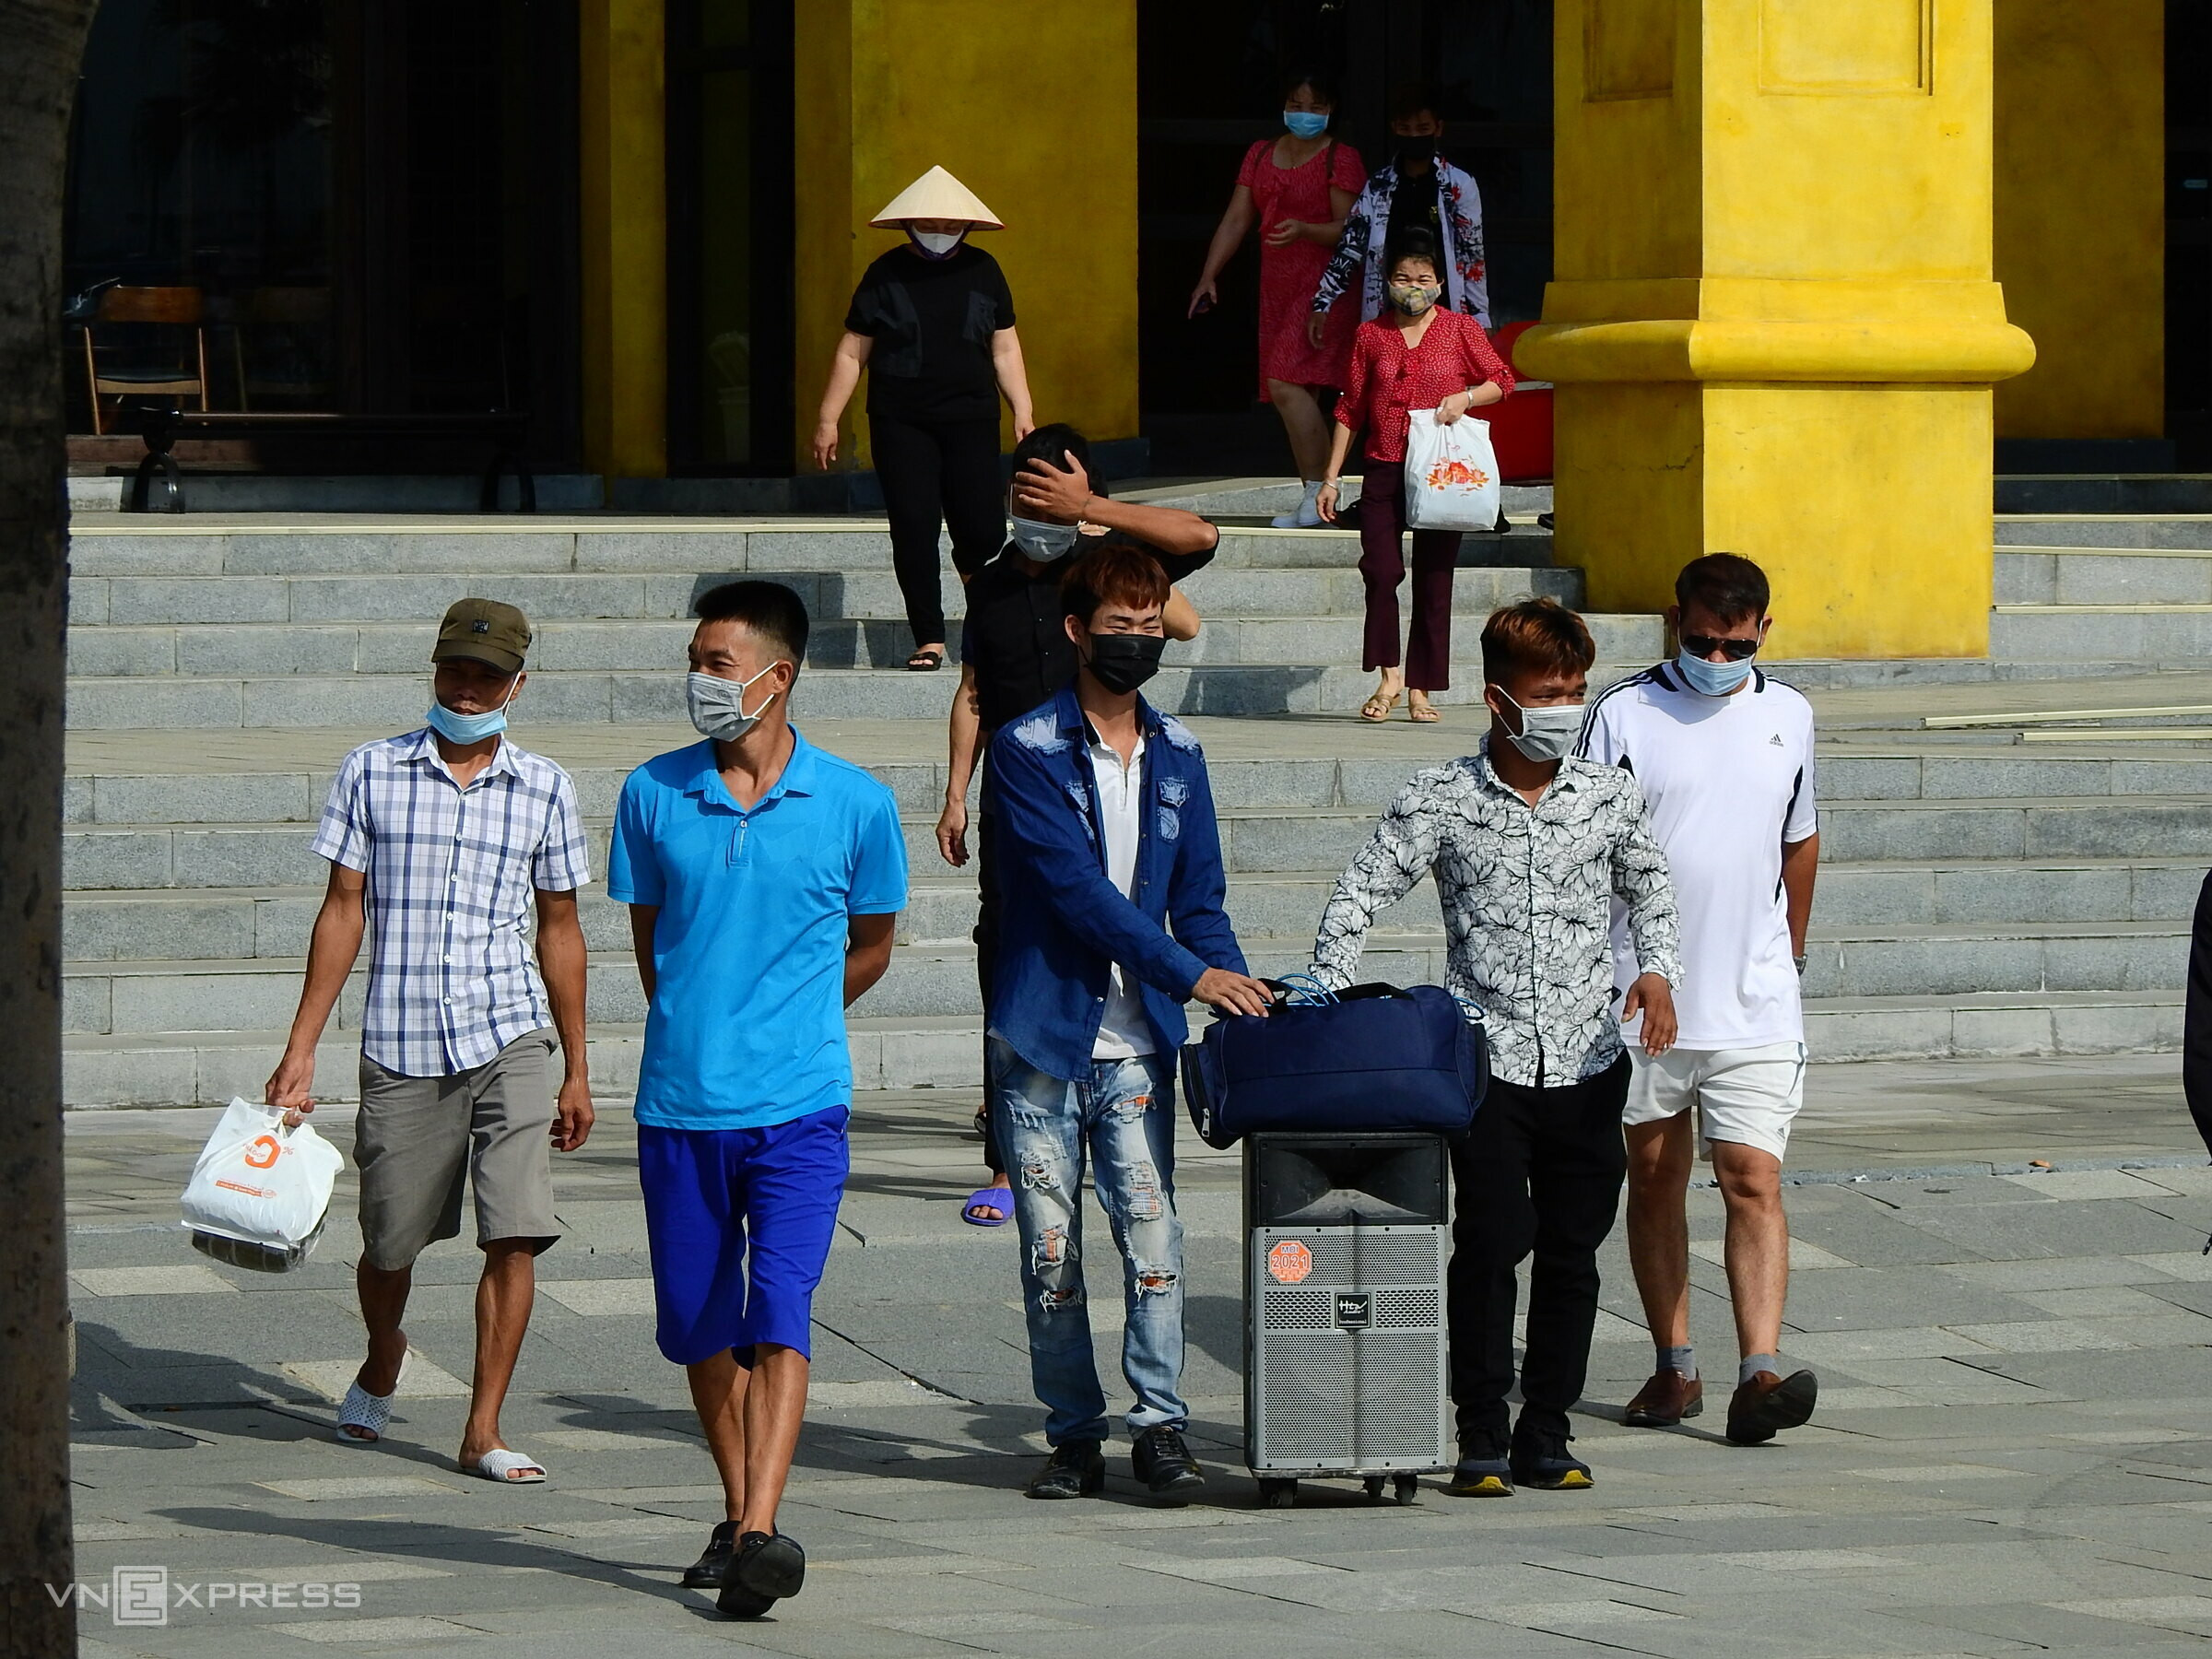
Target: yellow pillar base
(1868, 507)
(1774, 329)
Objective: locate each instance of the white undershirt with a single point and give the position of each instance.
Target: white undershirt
(1124, 1032)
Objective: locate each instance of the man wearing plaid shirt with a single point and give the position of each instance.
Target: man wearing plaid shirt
(438, 841)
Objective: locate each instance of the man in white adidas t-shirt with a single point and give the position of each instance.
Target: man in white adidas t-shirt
(1724, 758)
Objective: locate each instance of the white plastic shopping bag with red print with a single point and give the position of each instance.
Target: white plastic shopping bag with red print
(259, 1195)
(1451, 473)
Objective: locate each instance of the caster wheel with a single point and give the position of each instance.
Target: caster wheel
(1372, 1486)
(1406, 1487)
(1278, 1494)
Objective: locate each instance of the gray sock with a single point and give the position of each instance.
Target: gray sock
(1755, 1364)
(1679, 1359)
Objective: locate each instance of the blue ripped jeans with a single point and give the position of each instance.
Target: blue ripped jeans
(1121, 1120)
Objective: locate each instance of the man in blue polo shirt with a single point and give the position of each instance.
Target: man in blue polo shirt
(764, 878)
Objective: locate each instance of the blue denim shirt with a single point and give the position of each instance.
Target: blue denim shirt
(1066, 923)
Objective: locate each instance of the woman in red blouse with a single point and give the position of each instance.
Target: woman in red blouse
(1413, 357)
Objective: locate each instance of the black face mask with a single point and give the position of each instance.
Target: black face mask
(1415, 153)
(1121, 663)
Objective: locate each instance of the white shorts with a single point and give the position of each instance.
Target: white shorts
(1748, 1096)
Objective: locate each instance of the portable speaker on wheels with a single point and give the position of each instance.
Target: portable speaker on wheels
(1348, 1237)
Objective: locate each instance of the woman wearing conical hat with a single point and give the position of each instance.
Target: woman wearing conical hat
(932, 322)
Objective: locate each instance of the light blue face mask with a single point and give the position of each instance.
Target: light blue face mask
(470, 728)
(1039, 540)
(1306, 123)
(1712, 679)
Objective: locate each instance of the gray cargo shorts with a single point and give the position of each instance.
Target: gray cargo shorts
(416, 1138)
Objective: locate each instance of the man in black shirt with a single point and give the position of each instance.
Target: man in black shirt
(1015, 653)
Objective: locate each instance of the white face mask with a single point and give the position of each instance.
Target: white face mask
(1547, 733)
(718, 705)
(937, 243)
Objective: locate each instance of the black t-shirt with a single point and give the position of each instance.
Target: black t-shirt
(1414, 202)
(1012, 637)
(932, 321)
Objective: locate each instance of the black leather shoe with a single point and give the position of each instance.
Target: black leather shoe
(763, 1571)
(1540, 1459)
(1075, 1469)
(1765, 1406)
(706, 1572)
(1164, 1464)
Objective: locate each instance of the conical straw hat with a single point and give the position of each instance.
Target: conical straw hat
(936, 194)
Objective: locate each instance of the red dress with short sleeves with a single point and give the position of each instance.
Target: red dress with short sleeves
(1289, 277)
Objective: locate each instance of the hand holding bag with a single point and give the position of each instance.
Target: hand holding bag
(1373, 1058)
(1451, 473)
(260, 1192)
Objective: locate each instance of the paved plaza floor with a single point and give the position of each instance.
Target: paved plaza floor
(2013, 1453)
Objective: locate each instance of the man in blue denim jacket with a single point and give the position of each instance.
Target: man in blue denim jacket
(1111, 889)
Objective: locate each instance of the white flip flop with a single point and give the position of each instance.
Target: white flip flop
(504, 1467)
(362, 1409)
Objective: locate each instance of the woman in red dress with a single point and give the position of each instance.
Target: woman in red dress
(1299, 186)
(1414, 356)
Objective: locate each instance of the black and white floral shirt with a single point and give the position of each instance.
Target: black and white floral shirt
(1527, 898)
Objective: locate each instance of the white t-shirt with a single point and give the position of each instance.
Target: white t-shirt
(1728, 781)
(1124, 1031)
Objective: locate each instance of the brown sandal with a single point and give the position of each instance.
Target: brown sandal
(1377, 708)
(1423, 713)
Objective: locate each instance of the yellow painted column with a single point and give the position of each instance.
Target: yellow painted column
(1034, 110)
(2081, 214)
(623, 235)
(1774, 324)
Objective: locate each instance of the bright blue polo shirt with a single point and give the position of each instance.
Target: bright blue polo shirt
(748, 1022)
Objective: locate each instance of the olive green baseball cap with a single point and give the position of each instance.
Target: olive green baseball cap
(484, 630)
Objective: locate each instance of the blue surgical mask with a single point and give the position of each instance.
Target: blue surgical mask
(470, 728)
(1041, 541)
(1306, 123)
(1548, 731)
(1712, 679)
(717, 705)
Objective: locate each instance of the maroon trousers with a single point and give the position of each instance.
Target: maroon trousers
(1382, 564)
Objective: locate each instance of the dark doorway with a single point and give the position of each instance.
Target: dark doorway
(730, 160)
(373, 201)
(1208, 84)
(2189, 233)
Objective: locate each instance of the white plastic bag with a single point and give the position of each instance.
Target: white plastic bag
(261, 1186)
(1451, 473)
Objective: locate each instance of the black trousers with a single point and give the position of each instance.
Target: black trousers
(1539, 1172)
(934, 474)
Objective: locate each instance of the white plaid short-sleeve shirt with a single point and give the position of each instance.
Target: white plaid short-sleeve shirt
(451, 874)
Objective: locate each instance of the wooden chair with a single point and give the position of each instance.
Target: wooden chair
(145, 367)
(281, 343)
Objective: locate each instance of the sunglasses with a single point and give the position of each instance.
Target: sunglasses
(1704, 645)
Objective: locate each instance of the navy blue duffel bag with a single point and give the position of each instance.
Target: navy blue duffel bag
(1373, 1057)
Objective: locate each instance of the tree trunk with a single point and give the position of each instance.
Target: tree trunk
(44, 46)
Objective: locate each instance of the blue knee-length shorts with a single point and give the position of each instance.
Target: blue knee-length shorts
(739, 1222)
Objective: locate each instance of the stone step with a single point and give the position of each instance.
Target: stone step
(397, 614)
(946, 1053)
(242, 923)
(1971, 766)
(2180, 634)
(395, 701)
(2105, 576)
(135, 547)
(1254, 840)
(2104, 530)
(122, 998)
(219, 651)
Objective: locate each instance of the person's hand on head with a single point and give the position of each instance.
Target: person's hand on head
(1055, 494)
(1229, 993)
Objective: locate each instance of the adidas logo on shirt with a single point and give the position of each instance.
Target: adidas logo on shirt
(1776, 740)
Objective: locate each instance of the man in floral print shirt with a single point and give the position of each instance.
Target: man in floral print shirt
(1529, 847)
